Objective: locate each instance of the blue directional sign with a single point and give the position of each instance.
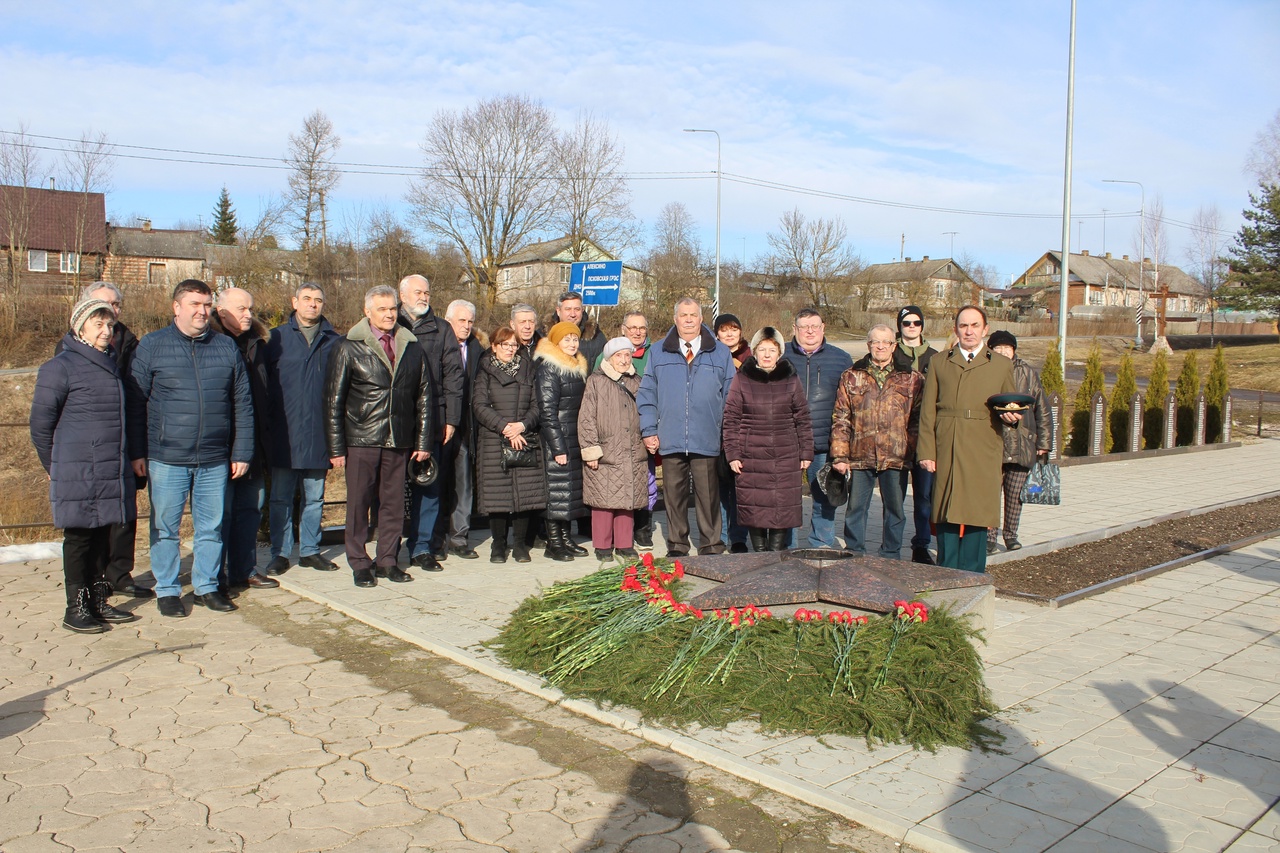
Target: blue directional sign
(599, 282)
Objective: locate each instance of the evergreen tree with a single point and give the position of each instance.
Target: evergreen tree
(1216, 389)
(1051, 373)
(224, 228)
(1184, 395)
(1126, 386)
(1157, 390)
(1255, 257)
(1095, 382)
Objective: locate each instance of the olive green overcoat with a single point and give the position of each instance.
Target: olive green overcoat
(963, 435)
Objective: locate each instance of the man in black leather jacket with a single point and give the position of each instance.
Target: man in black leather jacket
(378, 417)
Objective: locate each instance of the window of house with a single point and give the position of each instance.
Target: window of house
(1095, 297)
(69, 262)
(565, 270)
(528, 274)
(888, 291)
(940, 290)
(157, 274)
(37, 260)
(506, 277)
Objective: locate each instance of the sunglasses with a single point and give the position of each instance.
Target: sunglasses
(913, 322)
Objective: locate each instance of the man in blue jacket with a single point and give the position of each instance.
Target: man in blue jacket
(297, 362)
(199, 435)
(819, 366)
(681, 404)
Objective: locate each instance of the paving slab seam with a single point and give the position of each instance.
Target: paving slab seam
(1116, 529)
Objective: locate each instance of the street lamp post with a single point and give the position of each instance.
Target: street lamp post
(952, 234)
(716, 305)
(1142, 253)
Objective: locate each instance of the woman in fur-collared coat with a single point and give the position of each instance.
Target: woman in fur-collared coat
(560, 380)
(768, 440)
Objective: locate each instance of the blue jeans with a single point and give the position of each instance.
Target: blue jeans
(170, 486)
(284, 484)
(893, 486)
(241, 518)
(921, 500)
(424, 509)
(731, 531)
(822, 524)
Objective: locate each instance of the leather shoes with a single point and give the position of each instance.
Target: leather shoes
(214, 601)
(395, 574)
(466, 552)
(130, 588)
(171, 605)
(921, 555)
(277, 566)
(427, 562)
(318, 562)
(1012, 546)
(365, 578)
(257, 581)
(991, 548)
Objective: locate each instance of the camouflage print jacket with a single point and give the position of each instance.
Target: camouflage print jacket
(874, 428)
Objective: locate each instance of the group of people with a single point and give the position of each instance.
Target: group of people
(536, 432)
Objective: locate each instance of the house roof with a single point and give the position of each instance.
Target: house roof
(157, 243)
(1100, 270)
(556, 250)
(908, 270)
(53, 217)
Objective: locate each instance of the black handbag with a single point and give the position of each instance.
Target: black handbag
(526, 458)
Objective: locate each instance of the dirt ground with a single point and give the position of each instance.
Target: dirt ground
(1075, 568)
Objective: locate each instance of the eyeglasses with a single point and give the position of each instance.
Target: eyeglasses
(511, 344)
(913, 322)
(817, 328)
(880, 343)
(636, 328)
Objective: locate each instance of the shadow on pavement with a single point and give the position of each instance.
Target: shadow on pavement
(656, 803)
(18, 715)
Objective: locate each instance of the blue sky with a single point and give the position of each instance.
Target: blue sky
(927, 103)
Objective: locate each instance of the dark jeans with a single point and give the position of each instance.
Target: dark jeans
(679, 471)
(375, 473)
(921, 500)
(424, 508)
(84, 558)
(241, 518)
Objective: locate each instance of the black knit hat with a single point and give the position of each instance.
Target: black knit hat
(725, 320)
(1001, 338)
(906, 312)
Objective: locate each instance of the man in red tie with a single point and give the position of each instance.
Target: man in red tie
(378, 416)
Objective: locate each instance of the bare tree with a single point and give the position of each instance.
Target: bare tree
(487, 184)
(676, 265)
(1264, 157)
(21, 169)
(392, 252)
(1206, 256)
(594, 202)
(311, 179)
(818, 252)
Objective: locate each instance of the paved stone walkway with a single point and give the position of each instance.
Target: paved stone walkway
(230, 733)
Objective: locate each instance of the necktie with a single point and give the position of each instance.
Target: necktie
(688, 353)
(388, 348)
(462, 346)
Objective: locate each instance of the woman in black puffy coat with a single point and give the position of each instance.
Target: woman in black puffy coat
(561, 381)
(506, 414)
(81, 426)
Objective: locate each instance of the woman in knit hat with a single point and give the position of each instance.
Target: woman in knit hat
(616, 481)
(728, 330)
(560, 380)
(82, 426)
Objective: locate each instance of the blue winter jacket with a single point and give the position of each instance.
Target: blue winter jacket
(820, 375)
(199, 406)
(79, 426)
(683, 403)
(295, 395)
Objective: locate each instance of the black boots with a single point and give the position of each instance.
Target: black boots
(520, 539)
(80, 617)
(100, 605)
(498, 527)
(766, 539)
(558, 542)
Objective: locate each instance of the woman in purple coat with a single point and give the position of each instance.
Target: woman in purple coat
(768, 440)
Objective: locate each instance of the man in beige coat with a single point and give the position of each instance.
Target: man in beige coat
(961, 441)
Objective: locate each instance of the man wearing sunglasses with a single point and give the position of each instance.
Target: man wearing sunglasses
(913, 353)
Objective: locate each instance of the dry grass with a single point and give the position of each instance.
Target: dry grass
(1255, 367)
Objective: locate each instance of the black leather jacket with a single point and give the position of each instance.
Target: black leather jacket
(369, 405)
